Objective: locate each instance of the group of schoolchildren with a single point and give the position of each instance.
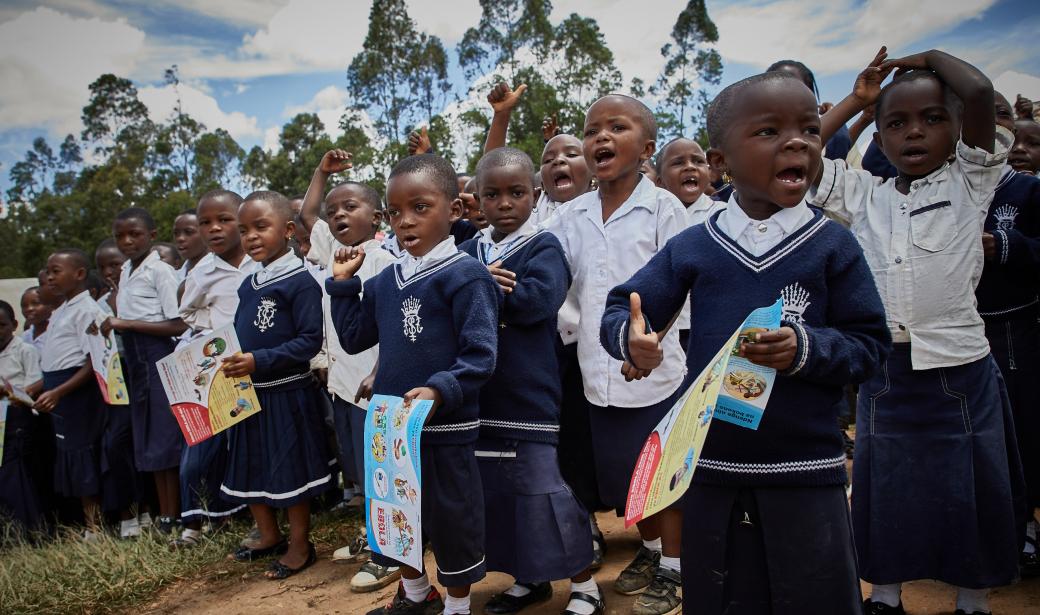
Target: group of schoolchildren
(554, 316)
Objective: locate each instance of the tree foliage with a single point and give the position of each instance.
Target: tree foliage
(689, 63)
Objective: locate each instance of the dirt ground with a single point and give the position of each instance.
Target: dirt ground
(324, 588)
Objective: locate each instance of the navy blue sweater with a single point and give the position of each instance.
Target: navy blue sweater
(522, 399)
(1009, 286)
(830, 302)
(280, 322)
(438, 329)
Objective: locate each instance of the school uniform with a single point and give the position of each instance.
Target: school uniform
(701, 209)
(766, 512)
(938, 411)
(541, 532)
(120, 480)
(79, 418)
(345, 371)
(435, 319)
(601, 256)
(1008, 298)
(209, 301)
(279, 457)
(29, 336)
(149, 293)
(19, 497)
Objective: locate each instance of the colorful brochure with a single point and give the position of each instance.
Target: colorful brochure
(393, 478)
(205, 401)
(666, 464)
(104, 358)
(746, 387)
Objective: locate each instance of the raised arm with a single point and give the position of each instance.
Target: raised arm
(353, 316)
(502, 100)
(864, 93)
(334, 161)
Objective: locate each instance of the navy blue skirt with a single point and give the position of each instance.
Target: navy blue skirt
(349, 422)
(157, 438)
(936, 484)
(576, 453)
(79, 422)
(618, 436)
(769, 550)
(202, 470)
(19, 499)
(118, 475)
(536, 529)
(279, 456)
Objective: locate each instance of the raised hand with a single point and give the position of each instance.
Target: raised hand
(335, 161)
(774, 349)
(917, 61)
(505, 278)
(348, 261)
(1023, 107)
(868, 82)
(503, 99)
(550, 127)
(419, 142)
(644, 349)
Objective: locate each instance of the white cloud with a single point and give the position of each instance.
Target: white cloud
(47, 60)
(253, 12)
(329, 104)
(1011, 83)
(200, 106)
(448, 20)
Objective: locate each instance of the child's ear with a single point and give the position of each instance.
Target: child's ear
(456, 210)
(717, 160)
(877, 141)
(648, 150)
(152, 234)
(290, 230)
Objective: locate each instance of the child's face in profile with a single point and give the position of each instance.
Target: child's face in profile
(684, 170)
(506, 198)
(109, 263)
(1025, 153)
(352, 218)
(771, 148)
(265, 231)
(615, 143)
(34, 310)
(218, 226)
(186, 236)
(133, 237)
(916, 130)
(420, 213)
(64, 276)
(565, 173)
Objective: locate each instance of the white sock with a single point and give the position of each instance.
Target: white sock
(518, 591)
(128, 524)
(670, 563)
(887, 594)
(190, 533)
(416, 589)
(653, 545)
(580, 606)
(456, 606)
(973, 600)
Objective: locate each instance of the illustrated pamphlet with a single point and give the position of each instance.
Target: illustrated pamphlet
(107, 364)
(746, 387)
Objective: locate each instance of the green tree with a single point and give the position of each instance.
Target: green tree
(585, 67)
(506, 27)
(430, 83)
(215, 158)
(114, 114)
(689, 62)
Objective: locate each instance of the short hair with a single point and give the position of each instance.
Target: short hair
(6, 308)
(188, 212)
(369, 195)
(94, 282)
(504, 157)
(950, 99)
(720, 111)
(160, 245)
(220, 194)
(659, 158)
(78, 256)
(137, 213)
(437, 169)
(105, 244)
(277, 200)
(807, 75)
(644, 115)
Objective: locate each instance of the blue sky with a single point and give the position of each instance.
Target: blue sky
(248, 65)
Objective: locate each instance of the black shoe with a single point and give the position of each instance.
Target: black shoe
(245, 554)
(598, 604)
(880, 608)
(504, 604)
(165, 525)
(1029, 563)
(432, 605)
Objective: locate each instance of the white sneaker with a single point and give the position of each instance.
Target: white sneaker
(90, 536)
(144, 520)
(372, 576)
(356, 551)
(130, 528)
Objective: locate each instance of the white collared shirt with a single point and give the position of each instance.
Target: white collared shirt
(761, 236)
(702, 209)
(20, 363)
(491, 249)
(66, 344)
(411, 265)
(37, 342)
(603, 255)
(149, 292)
(283, 264)
(924, 248)
(211, 292)
(544, 209)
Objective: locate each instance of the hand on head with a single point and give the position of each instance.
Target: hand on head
(869, 80)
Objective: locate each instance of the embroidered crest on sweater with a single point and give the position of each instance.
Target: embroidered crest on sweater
(1005, 216)
(796, 301)
(265, 314)
(412, 321)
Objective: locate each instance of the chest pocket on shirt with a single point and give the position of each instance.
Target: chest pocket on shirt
(933, 226)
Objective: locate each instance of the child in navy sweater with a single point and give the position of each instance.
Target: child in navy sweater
(277, 458)
(761, 497)
(542, 532)
(434, 314)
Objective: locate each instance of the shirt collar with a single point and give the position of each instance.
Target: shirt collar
(80, 298)
(147, 262)
(734, 222)
(441, 252)
(636, 199)
(703, 203)
(527, 228)
(284, 263)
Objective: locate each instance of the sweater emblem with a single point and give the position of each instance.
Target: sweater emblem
(412, 321)
(1005, 216)
(265, 314)
(796, 301)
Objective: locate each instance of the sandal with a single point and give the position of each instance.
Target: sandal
(246, 554)
(598, 604)
(278, 571)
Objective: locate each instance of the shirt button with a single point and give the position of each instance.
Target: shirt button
(763, 227)
(902, 327)
(903, 206)
(899, 259)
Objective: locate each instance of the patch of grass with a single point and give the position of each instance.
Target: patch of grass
(67, 575)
